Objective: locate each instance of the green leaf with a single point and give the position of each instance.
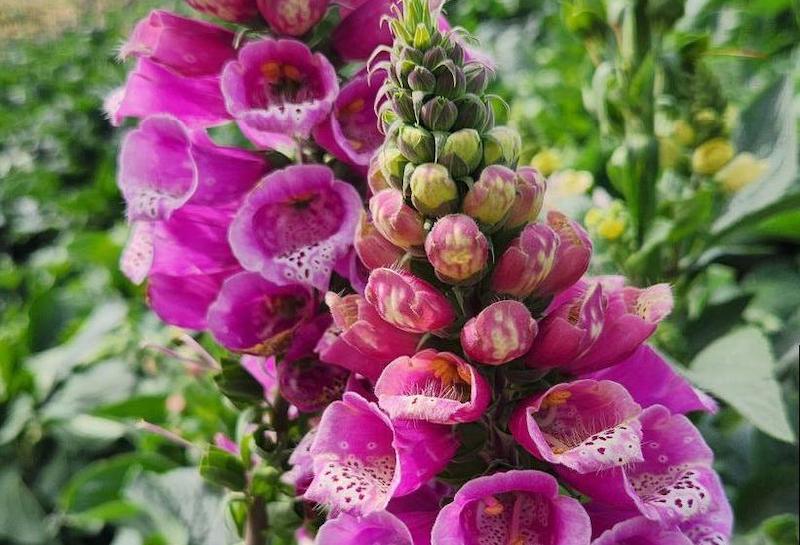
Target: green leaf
(768, 129)
(777, 530)
(223, 468)
(738, 368)
(238, 385)
(184, 509)
(21, 516)
(783, 226)
(18, 414)
(152, 408)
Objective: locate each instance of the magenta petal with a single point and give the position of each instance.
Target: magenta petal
(437, 387)
(585, 425)
(424, 450)
(292, 17)
(572, 257)
(190, 47)
(163, 166)
(361, 31)
(641, 531)
(184, 300)
(652, 381)
(254, 315)
(503, 331)
(311, 385)
(226, 443)
(419, 509)
(295, 225)
(264, 371)
(302, 471)
(377, 528)
(278, 90)
(236, 11)
(512, 507)
(153, 89)
(351, 131)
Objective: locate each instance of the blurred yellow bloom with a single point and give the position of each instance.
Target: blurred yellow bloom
(741, 171)
(683, 132)
(669, 152)
(705, 116)
(611, 228)
(712, 155)
(546, 161)
(607, 223)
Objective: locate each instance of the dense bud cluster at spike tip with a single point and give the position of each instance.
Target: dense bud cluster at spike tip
(378, 259)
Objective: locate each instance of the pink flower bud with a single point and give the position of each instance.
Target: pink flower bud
(457, 249)
(531, 186)
(397, 221)
(407, 302)
(502, 332)
(572, 257)
(491, 197)
(236, 11)
(526, 262)
(292, 17)
(372, 248)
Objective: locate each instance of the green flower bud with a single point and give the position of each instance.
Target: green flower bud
(501, 146)
(461, 152)
(477, 76)
(403, 105)
(433, 57)
(471, 113)
(457, 54)
(392, 165)
(422, 36)
(450, 80)
(433, 191)
(438, 114)
(421, 79)
(416, 144)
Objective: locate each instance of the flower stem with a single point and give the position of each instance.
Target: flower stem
(257, 522)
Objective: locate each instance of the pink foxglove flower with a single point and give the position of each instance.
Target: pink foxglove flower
(278, 90)
(163, 166)
(351, 132)
(437, 387)
(155, 89)
(503, 331)
(531, 186)
(361, 31)
(510, 508)
(652, 381)
(407, 302)
(292, 17)
(236, 11)
(256, 316)
(572, 257)
(378, 527)
(189, 47)
(295, 225)
(302, 464)
(585, 425)
(371, 343)
(631, 316)
(359, 472)
(457, 249)
(675, 483)
(570, 327)
(526, 262)
(373, 249)
(399, 223)
(492, 196)
(264, 371)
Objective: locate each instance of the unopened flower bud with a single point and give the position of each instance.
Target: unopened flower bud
(712, 155)
(416, 144)
(501, 145)
(492, 196)
(434, 56)
(743, 170)
(526, 262)
(421, 79)
(456, 53)
(457, 249)
(438, 114)
(477, 76)
(450, 80)
(395, 220)
(433, 191)
(531, 186)
(471, 113)
(572, 257)
(374, 249)
(461, 152)
(392, 164)
(503, 331)
(403, 105)
(292, 17)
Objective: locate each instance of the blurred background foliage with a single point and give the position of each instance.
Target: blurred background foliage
(104, 412)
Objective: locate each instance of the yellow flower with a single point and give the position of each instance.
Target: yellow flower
(712, 155)
(743, 170)
(546, 161)
(683, 132)
(611, 228)
(608, 223)
(669, 153)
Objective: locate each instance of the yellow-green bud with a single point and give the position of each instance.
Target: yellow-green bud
(501, 146)
(433, 191)
(416, 144)
(392, 164)
(712, 155)
(740, 172)
(546, 161)
(461, 152)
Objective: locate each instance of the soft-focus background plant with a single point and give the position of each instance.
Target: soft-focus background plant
(101, 406)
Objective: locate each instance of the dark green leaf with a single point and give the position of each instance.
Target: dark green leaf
(223, 468)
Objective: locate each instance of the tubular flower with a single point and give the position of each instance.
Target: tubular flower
(531, 186)
(407, 302)
(437, 387)
(278, 90)
(526, 262)
(396, 221)
(510, 508)
(236, 11)
(373, 249)
(457, 249)
(572, 257)
(585, 425)
(360, 472)
(295, 225)
(503, 331)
